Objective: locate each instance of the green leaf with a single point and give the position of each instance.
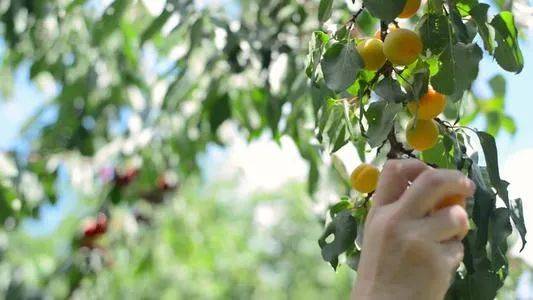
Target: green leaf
(509, 125)
(341, 206)
(344, 229)
(459, 68)
(380, 116)
(156, 26)
(341, 140)
(479, 15)
(467, 58)
(316, 48)
(385, 10)
(360, 145)
(517, 214)
(494, 122)
(491, 157)
(484, 202)
(340, 66)
(434, 32)
(219, 112)
(507, 53)
(313, 177)
(110, 20)
(324, 10)
(464, 33)
(439, 156)
(498, 85)
(352, 259)
(500, 229)
(419, 86)
(443, 82)
(389, 90)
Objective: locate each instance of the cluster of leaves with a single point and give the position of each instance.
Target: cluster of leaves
(366, 108)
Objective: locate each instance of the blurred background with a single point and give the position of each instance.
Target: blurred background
(165, 149)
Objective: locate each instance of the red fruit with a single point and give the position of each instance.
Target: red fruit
(90, 229)
(101, 224)
(127, 177)
(94, 228)
(163, 184)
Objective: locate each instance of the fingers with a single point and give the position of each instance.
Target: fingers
(453, 253)
(446, 224)
(395, 178)
(431, 187)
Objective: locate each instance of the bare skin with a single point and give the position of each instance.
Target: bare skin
(409, 252)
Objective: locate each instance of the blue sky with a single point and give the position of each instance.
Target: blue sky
(519, 100)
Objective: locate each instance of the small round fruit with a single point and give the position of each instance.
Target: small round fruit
(410, 8)
(450, 201)
(422, 135)
(430, 105)
(371, 51)
(402, 46)
(364, 178)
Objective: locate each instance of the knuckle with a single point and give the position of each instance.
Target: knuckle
(414, 245)
(388, 222)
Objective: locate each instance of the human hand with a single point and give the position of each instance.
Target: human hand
(409, 252)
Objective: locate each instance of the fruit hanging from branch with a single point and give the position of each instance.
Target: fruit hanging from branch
(402, 87)
(422, 134)
(364, 178)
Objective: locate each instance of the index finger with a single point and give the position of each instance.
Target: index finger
(433, 186)
(395, 179)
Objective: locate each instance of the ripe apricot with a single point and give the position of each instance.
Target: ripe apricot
(430, 105)
(371, 51)
(450, 201)
(402, 46)
(410, 8)
(364, 178)
(422, 135)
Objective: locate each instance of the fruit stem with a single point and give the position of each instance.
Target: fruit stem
(354, 17)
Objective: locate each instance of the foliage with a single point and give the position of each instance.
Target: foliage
(450, 64)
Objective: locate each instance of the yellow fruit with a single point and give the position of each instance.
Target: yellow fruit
(422, 135)
(410, 8)
(430, 105)
(371, 51)
(450, 201)
(364, 178)
(402, 46)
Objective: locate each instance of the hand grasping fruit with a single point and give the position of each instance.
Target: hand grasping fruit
(404, 218)
(365, 177)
